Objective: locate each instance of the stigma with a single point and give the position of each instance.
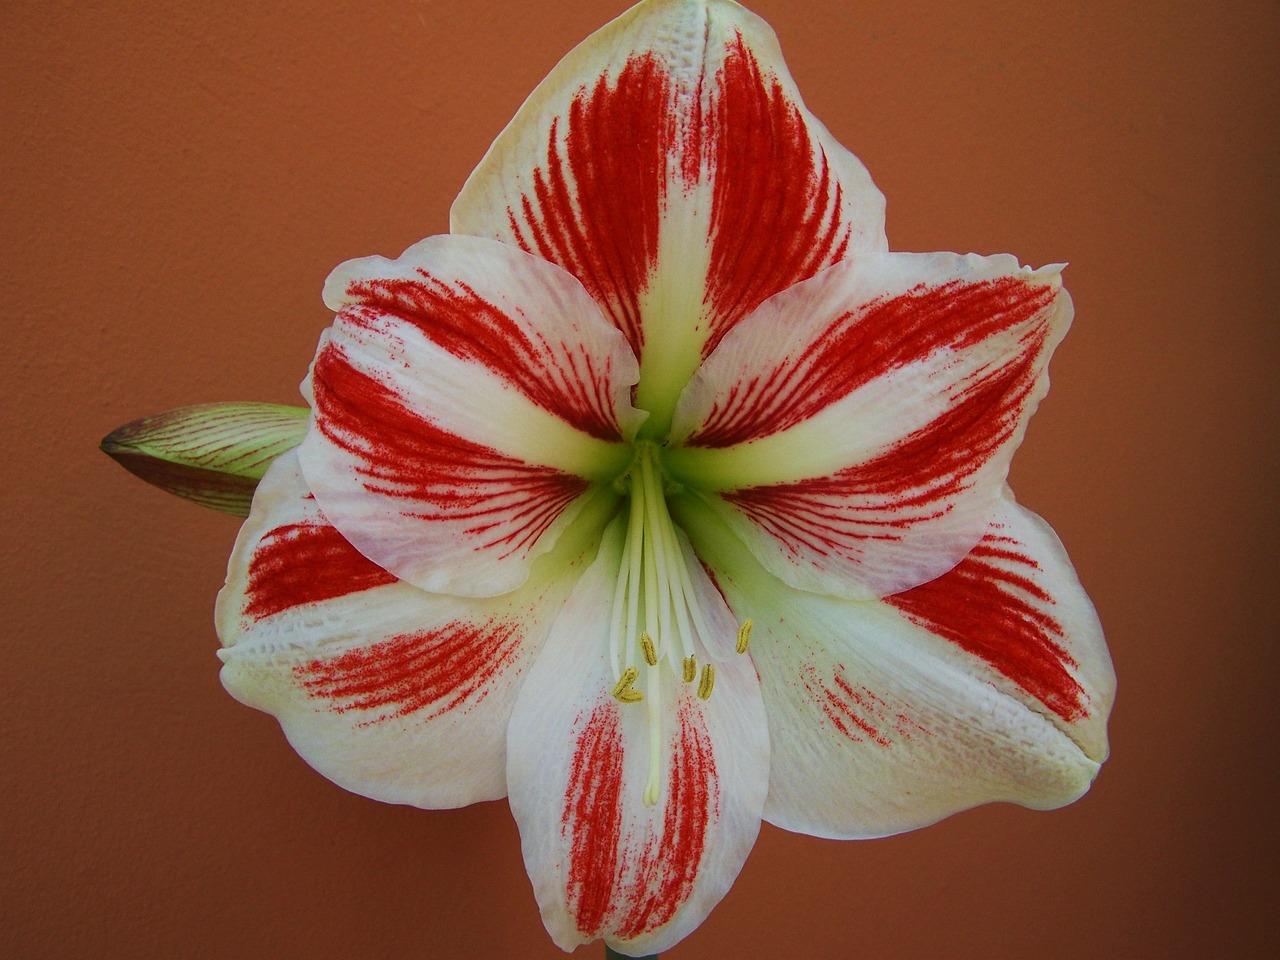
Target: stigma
(657, 623)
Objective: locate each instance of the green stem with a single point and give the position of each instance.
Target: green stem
(611, 954)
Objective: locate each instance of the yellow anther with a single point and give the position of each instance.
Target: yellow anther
(650, 654)
(744, 635)
(690, 668)
(622, 689)
(708, 681)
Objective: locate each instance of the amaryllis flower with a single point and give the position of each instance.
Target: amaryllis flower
(660, 498)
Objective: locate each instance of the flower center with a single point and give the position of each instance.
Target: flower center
(656, 620)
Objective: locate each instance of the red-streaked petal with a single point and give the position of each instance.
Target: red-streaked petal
(857, 429)
(1016, 604)
(464, 400)
(526, 324)
(788, 199)
(603, 865)
(387, 690)
(991, 684)
(669, 163)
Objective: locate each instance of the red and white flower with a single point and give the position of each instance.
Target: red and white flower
(661, 498)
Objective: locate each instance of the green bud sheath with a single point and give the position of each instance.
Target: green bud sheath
(212, 454)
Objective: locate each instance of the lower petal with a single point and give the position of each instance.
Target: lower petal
(602, 862)
(885, 716)
(1016, 611)
(391, 692)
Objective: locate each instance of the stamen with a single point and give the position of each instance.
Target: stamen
(653, 788)
(683, 595)
(650, 578)
(744, 635)
(657, 565)
(634, 562)
(622, 691)
(657, 612)
(650, 654)
(617, 621)
(708, 682)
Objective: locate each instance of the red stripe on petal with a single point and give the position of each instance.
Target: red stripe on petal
(843, 706)
(557, 377)
(506, 502)
(668, 866)
(860, 346)
(618, 882)
(305, 563)
(910, 483)
(991, 606)
(775, 205)
(859, 713)
(596, 201)
(592, 819)
(436, 671)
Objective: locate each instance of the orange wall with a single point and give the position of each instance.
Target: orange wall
(179, 179)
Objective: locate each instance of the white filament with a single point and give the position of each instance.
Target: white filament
(654, 599)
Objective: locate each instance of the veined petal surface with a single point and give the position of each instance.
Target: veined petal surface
(856, 430)
(991, 683)
(602, 863)
(669, 163)
(389, 691)
(465, 399)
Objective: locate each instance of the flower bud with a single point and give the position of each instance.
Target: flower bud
(212, 454)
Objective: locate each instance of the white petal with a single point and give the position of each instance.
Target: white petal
(465, 399)
(389, 691)
(602, 863)
(857, 429)
(888, 715)
(1015, 605)
(669, 163)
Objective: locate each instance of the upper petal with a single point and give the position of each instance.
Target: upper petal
(669, 163)
(389, 691)
(464, 400)
(991, 683)
(602, 863)
(856, 430)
